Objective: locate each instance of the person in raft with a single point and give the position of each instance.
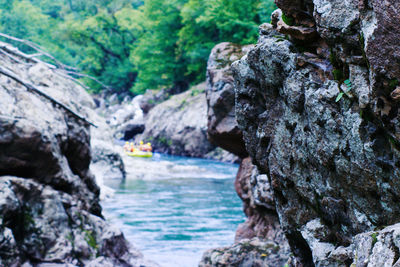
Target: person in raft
(145, 147)
(126, 146)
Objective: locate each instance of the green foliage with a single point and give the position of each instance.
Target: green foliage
(134, 44)
(105, 40)
(393, 84)
(337, 74)
(339, 96)
(288, 20)
(159, 64)
(374, 238)
(196, 91)
(163, 140)
(208, 22)
(348, 88)
(90, 239)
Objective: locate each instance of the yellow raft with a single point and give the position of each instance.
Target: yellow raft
(140, 154)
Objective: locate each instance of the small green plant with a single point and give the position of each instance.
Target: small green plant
(288, 20)
(196, 91)
(348, 88)
(337, 75)
(374, 238)
(90, 239)
(393, 84)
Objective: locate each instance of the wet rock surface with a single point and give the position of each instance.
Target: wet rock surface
(49, 204)
(331, 164)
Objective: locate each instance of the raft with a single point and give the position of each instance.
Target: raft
(140, 154)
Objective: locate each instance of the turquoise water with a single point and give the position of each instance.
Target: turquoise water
(175, 208)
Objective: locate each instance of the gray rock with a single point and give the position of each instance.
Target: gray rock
(246, 253)
(331, 165)
(222, 155)
(222, 129)
(49, 205)
(178, 126)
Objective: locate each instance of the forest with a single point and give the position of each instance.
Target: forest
(134, 45)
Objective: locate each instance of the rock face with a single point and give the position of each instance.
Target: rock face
(49, 203)
(332, 163)
(259, 241)
(178, 126)
(223, 130)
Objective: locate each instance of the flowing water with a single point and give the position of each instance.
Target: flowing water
(175, 208)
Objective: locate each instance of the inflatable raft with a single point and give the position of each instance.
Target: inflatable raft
(140, 154)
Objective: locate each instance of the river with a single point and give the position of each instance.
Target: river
(175, 208)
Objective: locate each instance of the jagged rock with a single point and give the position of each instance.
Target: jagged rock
(222, 127)
(178, 126)
(258, 205)
(153, 97)
(382, 46)
(300, 10)
(300, 33)
(332, 165)
(253, 252)
(49, 204)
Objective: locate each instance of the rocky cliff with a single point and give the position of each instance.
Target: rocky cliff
(49, 203)
(317, 102)
(259, 240)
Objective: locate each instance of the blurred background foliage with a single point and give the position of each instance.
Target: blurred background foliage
(134, 45)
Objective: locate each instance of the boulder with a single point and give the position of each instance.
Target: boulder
(49, 204)
(322, 128)
(247, 252)
(178, 126)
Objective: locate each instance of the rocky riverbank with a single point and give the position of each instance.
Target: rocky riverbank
(49, 204)
(174, 122)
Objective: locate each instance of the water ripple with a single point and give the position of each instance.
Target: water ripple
(175, 208)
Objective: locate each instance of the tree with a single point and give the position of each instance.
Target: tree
(106, 47)
(156, 55)
(134, 44)
(208, 22)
